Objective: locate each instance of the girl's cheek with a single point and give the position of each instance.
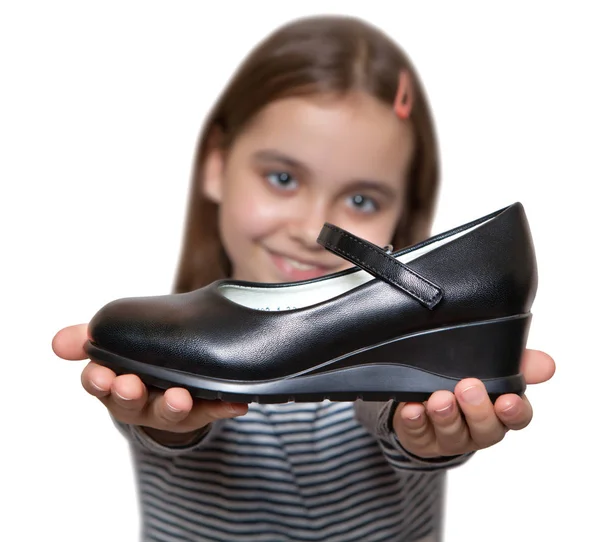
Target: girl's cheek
(257, 217)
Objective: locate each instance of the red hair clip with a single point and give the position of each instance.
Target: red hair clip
(403, 101)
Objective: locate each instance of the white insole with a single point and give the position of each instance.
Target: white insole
(304, 295)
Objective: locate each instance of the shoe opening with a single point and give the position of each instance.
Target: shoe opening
(284, 297)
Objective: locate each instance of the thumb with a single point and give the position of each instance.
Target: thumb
(537, 366)
(68, 342)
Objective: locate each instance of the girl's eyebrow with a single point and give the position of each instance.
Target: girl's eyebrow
(277, 156)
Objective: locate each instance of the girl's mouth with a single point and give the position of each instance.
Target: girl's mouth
(299, 265)
(294, 270)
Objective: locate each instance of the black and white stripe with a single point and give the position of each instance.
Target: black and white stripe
(287, 472)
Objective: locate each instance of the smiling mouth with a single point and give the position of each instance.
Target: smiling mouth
(299, 265)
(293, 269)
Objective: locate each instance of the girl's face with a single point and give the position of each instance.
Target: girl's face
(300, 163)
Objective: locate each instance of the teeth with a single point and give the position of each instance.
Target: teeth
(300, 266)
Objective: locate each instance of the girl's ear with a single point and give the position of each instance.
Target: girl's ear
(212, 182)
(213, 167)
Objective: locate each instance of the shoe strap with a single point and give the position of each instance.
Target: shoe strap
(379, 263)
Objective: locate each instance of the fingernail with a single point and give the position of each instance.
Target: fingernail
(446, 411)
(172, 408)
(509, 410)
(415, 418)
(236, 409)
(120, 396)
(474, 395)
(97, 387)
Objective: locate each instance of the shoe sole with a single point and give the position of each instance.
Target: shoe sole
(432, 360)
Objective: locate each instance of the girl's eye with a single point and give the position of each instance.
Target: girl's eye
(363, 203)
(281, 179)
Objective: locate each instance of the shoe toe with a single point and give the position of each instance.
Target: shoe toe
(140, 329)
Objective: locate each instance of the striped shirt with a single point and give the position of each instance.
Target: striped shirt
(314, 472)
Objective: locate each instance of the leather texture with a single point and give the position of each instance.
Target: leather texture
(489, 272)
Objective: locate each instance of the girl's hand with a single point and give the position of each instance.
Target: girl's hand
(130, 402)
(437, 427)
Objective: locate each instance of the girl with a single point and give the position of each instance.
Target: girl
(326, 121)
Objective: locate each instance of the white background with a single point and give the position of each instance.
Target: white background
(100, 106)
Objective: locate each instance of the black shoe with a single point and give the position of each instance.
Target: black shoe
(398, 326)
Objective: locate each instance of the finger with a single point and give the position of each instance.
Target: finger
(451, 430)
(210, 411)
(97, 380)
(68, 342)
(167, 410)
(414, 430)
(484, 426)
(537, 366)
(513, 411)
(128, 398)
(176, 411)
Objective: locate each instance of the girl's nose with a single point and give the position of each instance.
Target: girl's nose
(306, 226)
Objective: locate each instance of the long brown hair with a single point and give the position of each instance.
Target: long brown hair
(325, 54)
